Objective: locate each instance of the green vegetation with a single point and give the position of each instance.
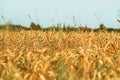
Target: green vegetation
(58, 27)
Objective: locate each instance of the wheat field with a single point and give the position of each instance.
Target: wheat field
(51, 55)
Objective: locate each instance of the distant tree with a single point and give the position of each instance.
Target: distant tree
(102, 27)
(33, 26)
(38, 26)
(64, 27)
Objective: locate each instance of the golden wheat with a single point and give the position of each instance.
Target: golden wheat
(39, 55)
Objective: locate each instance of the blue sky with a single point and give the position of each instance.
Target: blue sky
(49, 12)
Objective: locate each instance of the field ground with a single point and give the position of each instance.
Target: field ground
(49, 55)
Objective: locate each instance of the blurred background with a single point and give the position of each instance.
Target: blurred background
(89, 13)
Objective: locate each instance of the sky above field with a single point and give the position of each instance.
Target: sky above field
(49, 12)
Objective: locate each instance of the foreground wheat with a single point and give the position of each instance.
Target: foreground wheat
(38, 55)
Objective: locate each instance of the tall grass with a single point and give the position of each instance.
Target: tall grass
(50, 55)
